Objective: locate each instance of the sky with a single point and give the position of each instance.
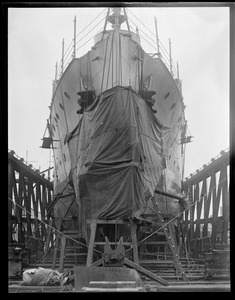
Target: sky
(200, 44)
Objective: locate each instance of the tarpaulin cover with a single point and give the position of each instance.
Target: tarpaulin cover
(116, 156)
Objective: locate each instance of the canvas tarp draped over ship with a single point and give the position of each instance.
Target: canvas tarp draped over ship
(116, 156)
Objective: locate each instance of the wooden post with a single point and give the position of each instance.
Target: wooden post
(134, 241)
(207, 201)
(27, 206)
(216, 203)
(225, 204)
(48, 236)
(20, 201)
(196, 199)
(62, 253)
(93, 226)
(191, 213)
(57, 242)
(10, 204)
(213, 200)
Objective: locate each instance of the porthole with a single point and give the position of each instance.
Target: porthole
(61, 106)
(172, 106)
(167, 95)
(67, 95)
(57, 116)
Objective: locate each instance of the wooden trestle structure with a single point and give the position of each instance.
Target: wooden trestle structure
(204, 224)
(29, 196)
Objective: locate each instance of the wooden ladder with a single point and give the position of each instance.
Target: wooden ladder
(168, 231)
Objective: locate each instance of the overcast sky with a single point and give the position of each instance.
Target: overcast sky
(200, 43)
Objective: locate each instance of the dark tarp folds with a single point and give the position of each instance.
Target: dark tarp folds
(116, 156)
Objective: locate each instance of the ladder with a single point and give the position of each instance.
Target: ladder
(168, 231)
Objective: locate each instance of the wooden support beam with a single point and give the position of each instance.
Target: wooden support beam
(204, 193)
(48, 235)
(10, 204)
(93, 226)
(225, 195)
(27, 205)
(134, 241)
(196, 207)
(35, 210)
(62, 253)
(191, 211)
(20, 202)
(145, 272)
(56, 248)
(213, 203)
(97, 263)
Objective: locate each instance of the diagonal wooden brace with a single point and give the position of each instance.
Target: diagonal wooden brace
(145, 272)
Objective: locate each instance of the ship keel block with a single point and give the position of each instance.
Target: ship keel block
(107, 279)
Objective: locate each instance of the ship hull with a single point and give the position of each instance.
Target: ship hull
(111, 154)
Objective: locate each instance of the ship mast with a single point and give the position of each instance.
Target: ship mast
(116, 19)
(74, 39)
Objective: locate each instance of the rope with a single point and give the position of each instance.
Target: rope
(88, 33)
(90, 23)
(67, 55)
(165, 53)
(58, 231)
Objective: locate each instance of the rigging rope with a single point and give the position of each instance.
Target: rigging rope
(179, 214)
(58, 231)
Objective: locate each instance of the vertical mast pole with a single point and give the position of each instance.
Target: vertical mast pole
(105, 24)
(62, 60)
(127, 23)
(178, 73)
(170, 56)
(56, 71)
(74, 39)
(158, 47)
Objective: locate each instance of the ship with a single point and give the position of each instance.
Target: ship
(117, 128)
